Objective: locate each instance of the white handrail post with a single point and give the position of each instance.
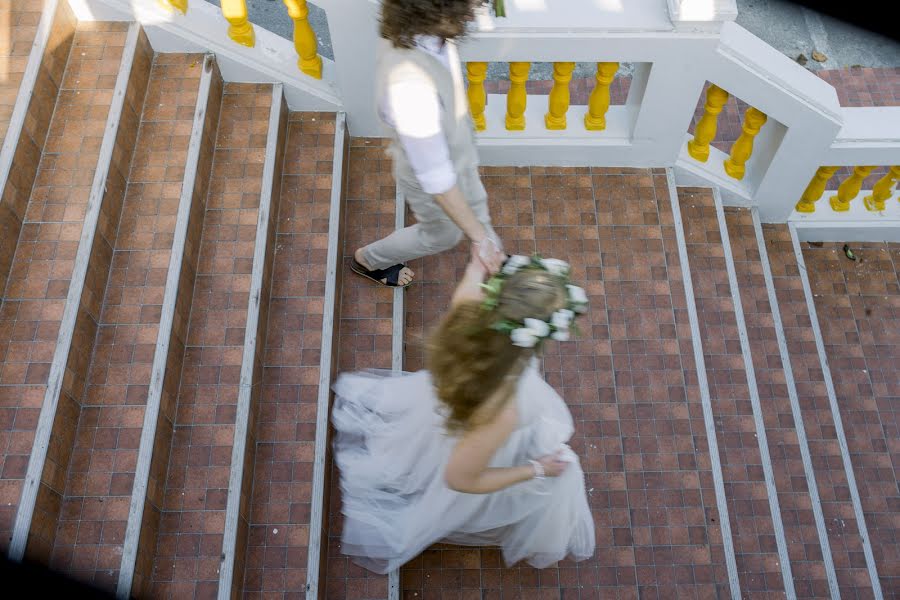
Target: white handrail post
(701, 15)
(354, 37)
(670, 96)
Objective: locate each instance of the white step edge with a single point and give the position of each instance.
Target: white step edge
(44, 430)
(703, 384)
(397, 328)
(164, 336)
(318, 509)
(836, 417)
(268, 210)
(26, 91)
(762, 438)
(796, 411)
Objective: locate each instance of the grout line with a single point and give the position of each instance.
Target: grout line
(164, 336)
(327, 362)
(750, 372)
(836, 417)
(251, 337)
(795, 409)
(703, 384)
(397, 327)
(26, 90)
(44, 430)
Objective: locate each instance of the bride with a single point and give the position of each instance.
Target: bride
(473, 450)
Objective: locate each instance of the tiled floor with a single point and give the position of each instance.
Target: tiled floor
(640, 431)
(859, 311)
(193, 521)
(282, 486)
(44, 258)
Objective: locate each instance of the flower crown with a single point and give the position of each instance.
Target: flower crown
(530, 332)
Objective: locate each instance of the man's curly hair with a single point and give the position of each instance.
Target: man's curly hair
(403, 20)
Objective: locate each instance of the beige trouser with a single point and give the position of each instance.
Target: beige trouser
(433, 232)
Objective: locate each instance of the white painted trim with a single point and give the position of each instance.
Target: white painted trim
(326, 363)
(26, 89)
(251, 333)
(856, 225)
(796, 411)
(691, 172)
(164, 336)
(44, 430)
(397, 327)
(204, 29)
(836, 417)
(762, 439)
(703, 384)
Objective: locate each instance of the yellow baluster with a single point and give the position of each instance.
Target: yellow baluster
(477, 72)
(558, 101)
(598, 103)
(705, 132)
(882, 190)
(305, 39)
(815, 189)
(743, 147)
(239, 29)
(517, 98)
(170, 5)
(849, 189)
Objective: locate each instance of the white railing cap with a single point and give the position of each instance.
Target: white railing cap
(701, 15)
(546, 16)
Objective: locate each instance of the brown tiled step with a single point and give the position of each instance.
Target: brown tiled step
(90, 539)
(22, 20)
(817, 481)
(33, 56)
(365, 325)
(858, 306)
(192, 521)
(52, 301)
(295, 359)
(742, 445)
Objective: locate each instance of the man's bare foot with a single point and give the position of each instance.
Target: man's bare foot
(404, 278)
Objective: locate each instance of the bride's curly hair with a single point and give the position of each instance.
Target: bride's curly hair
(469, 361)
(403, 20)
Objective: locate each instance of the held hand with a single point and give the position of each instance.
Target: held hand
(489, 253)
(553, 464)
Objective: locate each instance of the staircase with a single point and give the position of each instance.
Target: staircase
(175, 308)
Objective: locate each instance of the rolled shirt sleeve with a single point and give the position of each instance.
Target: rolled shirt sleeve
(414, 110)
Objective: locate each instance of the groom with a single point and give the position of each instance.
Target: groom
(422, 99)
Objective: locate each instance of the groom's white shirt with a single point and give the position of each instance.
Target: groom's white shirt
(413, 109)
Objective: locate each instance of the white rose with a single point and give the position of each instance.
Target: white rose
(562, 318)
(524, 338)
(578, 297)
(514, 263)
(555, 266)
(561, 335)
(539, 328)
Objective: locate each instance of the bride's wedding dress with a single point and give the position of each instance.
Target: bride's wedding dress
(392, 448)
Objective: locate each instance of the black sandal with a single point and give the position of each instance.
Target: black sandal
(391, 275)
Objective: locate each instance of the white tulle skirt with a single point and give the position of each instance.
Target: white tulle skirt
(392, 448)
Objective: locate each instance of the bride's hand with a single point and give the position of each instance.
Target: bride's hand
(553, 464)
